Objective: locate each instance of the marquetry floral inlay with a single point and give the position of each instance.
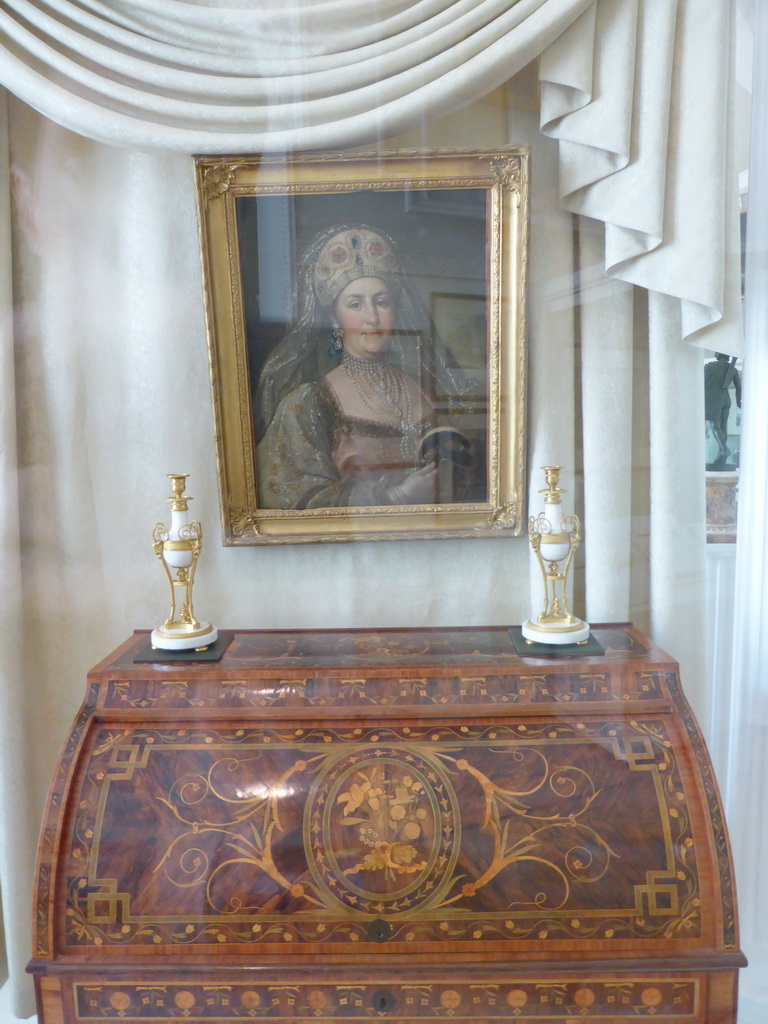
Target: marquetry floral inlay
(307, 834)
(388, 815)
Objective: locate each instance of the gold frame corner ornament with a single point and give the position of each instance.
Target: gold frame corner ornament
(503, 174)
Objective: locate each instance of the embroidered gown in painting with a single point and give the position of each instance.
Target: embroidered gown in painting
(314, 456)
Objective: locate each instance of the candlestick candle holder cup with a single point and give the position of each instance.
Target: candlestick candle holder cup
(554, 538)
(178, 548)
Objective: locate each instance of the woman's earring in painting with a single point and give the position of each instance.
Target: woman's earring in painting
(335, 338)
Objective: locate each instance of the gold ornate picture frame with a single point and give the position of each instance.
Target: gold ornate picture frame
(366, 324)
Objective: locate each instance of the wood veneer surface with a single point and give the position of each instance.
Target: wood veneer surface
(543, 836)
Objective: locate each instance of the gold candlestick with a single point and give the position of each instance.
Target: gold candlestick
(554, 538)
(178, 549)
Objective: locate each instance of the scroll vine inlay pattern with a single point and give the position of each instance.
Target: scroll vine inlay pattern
(452, 833)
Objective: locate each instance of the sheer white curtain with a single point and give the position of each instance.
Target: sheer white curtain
(15, 831)
(641, 177)
(105, 386)
(746, 793)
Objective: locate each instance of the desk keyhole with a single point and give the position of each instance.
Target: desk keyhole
(382, 1001)
(379, 931)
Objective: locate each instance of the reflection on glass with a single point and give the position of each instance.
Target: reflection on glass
(722, 402)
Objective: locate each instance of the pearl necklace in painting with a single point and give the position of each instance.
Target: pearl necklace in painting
(383, 390)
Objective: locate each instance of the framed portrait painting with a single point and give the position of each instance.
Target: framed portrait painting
(366, 321)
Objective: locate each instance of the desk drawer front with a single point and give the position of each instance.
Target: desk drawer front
(459, 999)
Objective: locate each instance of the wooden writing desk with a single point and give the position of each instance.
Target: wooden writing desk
(403, 825)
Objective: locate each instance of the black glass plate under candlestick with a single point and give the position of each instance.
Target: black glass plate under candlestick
(533, 649)
(214, 652)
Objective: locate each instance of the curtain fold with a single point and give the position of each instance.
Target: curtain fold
(621, 90)
(17, 837)
(634, 100)
(304, 75)
(648, 155)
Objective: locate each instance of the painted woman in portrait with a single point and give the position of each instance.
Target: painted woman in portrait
(348, 403)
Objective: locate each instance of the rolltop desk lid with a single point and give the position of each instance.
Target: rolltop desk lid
(420, 801)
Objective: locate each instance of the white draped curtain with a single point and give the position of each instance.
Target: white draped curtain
(746, 781)
(104, 385)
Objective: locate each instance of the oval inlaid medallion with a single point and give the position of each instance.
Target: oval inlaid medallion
(382, 830)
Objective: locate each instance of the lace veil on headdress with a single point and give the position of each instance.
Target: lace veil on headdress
(335, 257)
